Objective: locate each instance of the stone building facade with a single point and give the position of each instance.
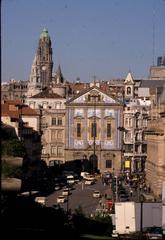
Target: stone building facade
(155, 137)
(92, 136)
(13, 90)
(51, 108)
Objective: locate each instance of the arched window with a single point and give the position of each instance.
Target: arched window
(94, 130)
(109, 130)
(78, 129)
(128, 90)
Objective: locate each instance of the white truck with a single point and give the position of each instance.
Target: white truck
(132, 216)
(163, 207)
(125, 221)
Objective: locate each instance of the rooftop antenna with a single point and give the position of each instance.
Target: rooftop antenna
(153, 35)
(94, 79)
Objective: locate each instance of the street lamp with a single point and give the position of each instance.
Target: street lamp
(67, 205)
(82, 162)
(94, 134)
(122, 129)
(116, 188)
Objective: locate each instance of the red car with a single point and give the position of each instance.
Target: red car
(109, 203)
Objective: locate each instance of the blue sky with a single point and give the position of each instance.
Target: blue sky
(105, 38)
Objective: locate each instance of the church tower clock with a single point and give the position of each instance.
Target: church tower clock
(41, 71)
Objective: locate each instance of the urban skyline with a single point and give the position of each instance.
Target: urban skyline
(88, 38)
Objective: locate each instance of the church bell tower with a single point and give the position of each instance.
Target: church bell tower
(41, 71)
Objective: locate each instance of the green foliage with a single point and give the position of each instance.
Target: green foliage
(79, 211)
(8, 170)
(106, 219)
(13, 147)
(95, 237)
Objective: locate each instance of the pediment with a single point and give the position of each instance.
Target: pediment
(129, 79)
(93, 95)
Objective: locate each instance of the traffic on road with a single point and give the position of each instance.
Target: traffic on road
(80, 195)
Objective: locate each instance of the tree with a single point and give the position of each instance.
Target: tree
(13, 147)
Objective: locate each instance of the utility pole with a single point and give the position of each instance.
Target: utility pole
(141, 212)
(116, 188)
(67, 204)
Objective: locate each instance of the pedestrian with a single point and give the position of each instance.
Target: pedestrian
(131, 193)
(105, 195)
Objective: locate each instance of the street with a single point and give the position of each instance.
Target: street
(80, 196)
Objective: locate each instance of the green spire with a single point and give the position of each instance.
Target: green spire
(44, 33)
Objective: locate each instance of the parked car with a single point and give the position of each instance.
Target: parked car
(61, 199)
(153, 233)
(70, 179)
(57, 187)
(89, 177)
(65, 192)
(96, 194)
(89, 182)
(123, 198)
(40, 200)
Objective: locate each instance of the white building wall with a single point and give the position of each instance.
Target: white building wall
(32, 122)
(163, 206)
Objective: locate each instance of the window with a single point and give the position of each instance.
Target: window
(128, 90)
(94, 130)
(89, 98)
(53, 121)
(43, 151)
(78, 129)
(128, 137)
(108, 130)
(94, 98)
(128, 122)
(60, 151)
(59, 134)
(108, 163)
(59, 121)
(58, 105)
(54, 150)
(45, 105)
(53, 135)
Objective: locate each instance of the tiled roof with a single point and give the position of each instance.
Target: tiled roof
(47, 93)
(78, 86)
(6, 112)
(26, 110)
(152, 83)
(14, 109)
